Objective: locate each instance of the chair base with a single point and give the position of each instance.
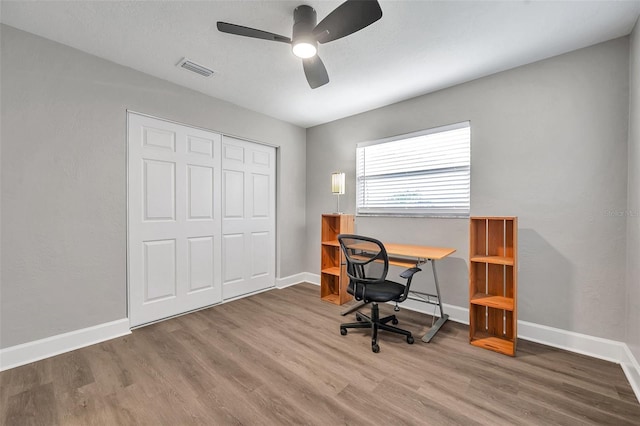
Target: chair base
(375, 323)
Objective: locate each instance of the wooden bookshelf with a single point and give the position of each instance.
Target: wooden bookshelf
(333, 275)
(493, 283)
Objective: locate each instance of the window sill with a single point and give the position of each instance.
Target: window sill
(417, 215)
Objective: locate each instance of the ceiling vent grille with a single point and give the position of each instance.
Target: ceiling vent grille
(197, 68)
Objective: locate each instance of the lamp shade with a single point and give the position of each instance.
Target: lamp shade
(337, 183)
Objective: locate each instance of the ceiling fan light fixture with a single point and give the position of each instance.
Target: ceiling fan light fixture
(304, 49)
(304, 44)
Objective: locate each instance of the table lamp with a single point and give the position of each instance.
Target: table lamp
(337, 187)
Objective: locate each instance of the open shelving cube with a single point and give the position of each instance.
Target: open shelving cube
(333, 276)
(493, 283)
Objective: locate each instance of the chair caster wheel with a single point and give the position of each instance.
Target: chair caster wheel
(410, 340)
(375, 348)
(343, 331)
(394, 321)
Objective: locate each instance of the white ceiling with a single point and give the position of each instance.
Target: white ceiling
(417, 47)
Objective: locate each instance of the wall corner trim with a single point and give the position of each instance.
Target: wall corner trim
(15, 356)
(302, 277)
(631, 368)
(313, 278)
(291, 280)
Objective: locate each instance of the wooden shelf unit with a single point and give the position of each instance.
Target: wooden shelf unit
(493, 283)
(333, 274)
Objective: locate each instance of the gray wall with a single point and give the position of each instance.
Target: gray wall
(549, 145)
(633, 218)
(63, 181)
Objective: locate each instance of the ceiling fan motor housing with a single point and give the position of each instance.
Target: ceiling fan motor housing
(304, 21)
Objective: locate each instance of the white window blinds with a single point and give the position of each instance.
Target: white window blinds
(421, 174)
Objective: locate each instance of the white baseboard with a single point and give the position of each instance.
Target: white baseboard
(26, 353)
(297, 279)
(596, 347)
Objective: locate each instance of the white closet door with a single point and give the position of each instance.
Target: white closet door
(248, 217)
(174, 219)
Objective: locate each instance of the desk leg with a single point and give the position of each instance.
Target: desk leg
(443, 317)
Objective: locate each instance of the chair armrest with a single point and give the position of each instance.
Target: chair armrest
(409, 273)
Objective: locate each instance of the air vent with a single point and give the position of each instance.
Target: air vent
(197, 68)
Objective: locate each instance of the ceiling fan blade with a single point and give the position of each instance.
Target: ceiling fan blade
(315, 72)
(225, 27)
(349, 17)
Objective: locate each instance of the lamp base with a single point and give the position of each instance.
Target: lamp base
(337, 205)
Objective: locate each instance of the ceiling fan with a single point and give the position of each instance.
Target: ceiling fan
(349, 17)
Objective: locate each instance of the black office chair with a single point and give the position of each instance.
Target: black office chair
(367, 267)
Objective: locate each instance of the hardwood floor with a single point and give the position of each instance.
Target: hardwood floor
(278, 358)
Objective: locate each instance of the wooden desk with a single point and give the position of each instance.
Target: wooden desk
(408, 256)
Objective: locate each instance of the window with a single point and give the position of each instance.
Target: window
(420, 174)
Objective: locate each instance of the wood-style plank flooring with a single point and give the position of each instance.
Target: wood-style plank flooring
(277, 358)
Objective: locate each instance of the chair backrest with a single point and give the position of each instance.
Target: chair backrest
(367, 259)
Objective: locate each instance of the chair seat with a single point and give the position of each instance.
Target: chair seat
(383, 292)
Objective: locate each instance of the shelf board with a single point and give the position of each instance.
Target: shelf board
(499, 302)
(332, 243)
(496, 344)
(334, 270)
(333, 298)
(496, 260)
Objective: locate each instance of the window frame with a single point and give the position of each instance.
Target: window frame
(397, 211)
